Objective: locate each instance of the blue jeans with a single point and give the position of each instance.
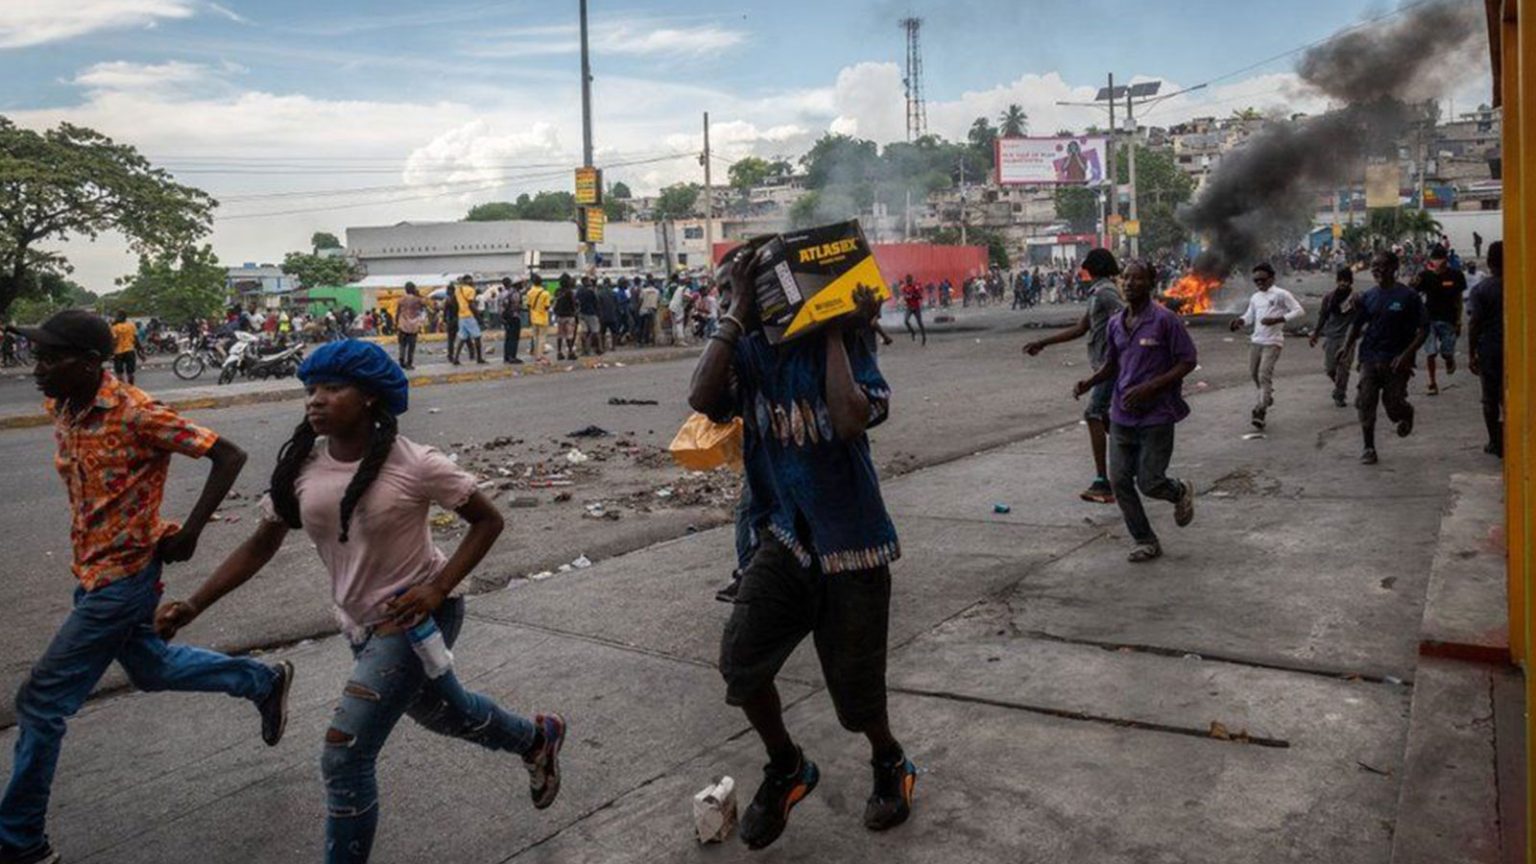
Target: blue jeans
(115, 622)
(1138, 459)
(388, 682)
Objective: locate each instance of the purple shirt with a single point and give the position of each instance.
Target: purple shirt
(1159, 343)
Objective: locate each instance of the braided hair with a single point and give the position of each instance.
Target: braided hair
(293, 455)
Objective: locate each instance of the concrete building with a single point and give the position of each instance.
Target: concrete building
(491, 250)
(264, 284)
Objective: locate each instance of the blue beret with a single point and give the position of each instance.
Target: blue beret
(364, 364)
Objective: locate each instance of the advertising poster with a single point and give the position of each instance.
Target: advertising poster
(1051, 161)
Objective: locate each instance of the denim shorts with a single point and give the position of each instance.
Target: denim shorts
(469, 328)
(1442, 338)
(1098, 401)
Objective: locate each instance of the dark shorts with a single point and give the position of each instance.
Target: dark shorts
(125, 363)
(1099, 399)
(780, 603)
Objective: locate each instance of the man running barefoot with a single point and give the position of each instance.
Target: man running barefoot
(821, 566)
(1390, 325)
(114, 454)
(1150, 353)
(1268, 310)
(1103, 302)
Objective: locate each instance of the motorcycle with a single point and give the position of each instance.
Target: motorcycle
(245, 358)
(197, 356)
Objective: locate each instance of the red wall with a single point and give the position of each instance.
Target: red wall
(926, 262)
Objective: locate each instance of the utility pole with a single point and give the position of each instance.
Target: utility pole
(1109, 166)
(1130, 119)
(962, 201)
(709, 201)
(586, 121)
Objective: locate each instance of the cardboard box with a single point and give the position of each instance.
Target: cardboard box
(806, 278)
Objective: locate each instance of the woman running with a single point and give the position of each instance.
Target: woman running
(362, 494)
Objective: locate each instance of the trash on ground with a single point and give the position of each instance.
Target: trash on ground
(576, 457)
(582, 562)
(590, 432)
(620, 400)
(664, 493)
(1001, 508)
(714, 811)
(522, 501)
(1254, 436)
(434, 410)
(445, 520)
(541, 575)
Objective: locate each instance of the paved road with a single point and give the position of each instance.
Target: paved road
(966, 392)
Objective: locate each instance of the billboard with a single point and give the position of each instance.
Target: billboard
(589, 186)
(1051, 161)
(1382, 185)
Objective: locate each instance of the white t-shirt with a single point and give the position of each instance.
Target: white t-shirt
(389, 546)
(1274, 303)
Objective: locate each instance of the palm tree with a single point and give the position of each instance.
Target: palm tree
(1249, 113)
(1420, 225)
(1013, 122)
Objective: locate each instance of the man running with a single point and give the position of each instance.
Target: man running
(912, 298)
(1268, 310)
(1104, 301)
(1485, 343)
(1390, 325)
(114, 453)
(1150, 353)
(1333, 323)
(825, 544)
(1442, 287)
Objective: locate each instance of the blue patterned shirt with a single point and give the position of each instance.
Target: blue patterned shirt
(818, 495)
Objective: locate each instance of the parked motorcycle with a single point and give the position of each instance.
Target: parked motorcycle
(246, 358)
(197, 356)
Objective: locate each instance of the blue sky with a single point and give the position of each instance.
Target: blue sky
(446, 103)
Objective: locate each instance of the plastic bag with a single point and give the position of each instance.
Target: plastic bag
(702, 444)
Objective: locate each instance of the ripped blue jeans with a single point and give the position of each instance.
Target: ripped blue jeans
(388, 682)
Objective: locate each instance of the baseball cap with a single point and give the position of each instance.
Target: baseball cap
(71, 330)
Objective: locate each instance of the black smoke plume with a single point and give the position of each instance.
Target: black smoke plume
(1265, 190)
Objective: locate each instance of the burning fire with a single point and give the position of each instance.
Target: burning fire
(1193, 293)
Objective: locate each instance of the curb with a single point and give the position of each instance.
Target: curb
(196, 403)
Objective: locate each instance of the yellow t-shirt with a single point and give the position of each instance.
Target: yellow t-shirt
(466, 294)
(538, 306)
(125, 337)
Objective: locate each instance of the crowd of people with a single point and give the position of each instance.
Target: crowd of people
(814, 539)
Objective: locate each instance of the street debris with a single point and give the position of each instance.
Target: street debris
(590, 432)
(714, 810)
(582, 562)
(620, 400)
(1001, 508)
(576, 457)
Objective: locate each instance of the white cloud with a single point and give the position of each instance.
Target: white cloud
(229, 13)
(36, 22)
(637, 38)
(121, 75)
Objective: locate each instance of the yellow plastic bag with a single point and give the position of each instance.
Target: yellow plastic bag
(703, 445)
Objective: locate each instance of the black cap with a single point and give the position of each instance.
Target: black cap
(1438, 251)
(71, 330)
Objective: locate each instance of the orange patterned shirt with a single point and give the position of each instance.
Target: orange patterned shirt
(114, 458)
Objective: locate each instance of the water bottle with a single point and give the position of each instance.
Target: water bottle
(427, 642)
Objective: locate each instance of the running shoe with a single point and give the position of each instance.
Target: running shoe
(1184, 508)
(543, 764)
(1099, 492)
(1145, 552)
(768, 814)
(1405, 427)
(1433, 390)
(274, 708)
(1258, 418)
(727, 594)
(890, 803)
(1368, 457)
(1450, 364)
(1340, 401)
(42, 853)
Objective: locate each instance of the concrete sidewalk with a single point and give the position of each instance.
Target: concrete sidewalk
(1246, 698)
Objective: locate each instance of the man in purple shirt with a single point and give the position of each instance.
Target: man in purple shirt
(1150, 352)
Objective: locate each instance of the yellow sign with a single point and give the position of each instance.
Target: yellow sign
(1116, 219)
(595, 220)
(1132, 227)
(589, 186)
(1338, 231)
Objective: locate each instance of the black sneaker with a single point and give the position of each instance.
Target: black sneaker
(1258, 418)
(1184, 508)
(544, 764)
(40, 854)
(1340, 401)
(728, 593)
(765, 818)
(274, 708)
(1405, 427)
(890, 803)
(1368, 457)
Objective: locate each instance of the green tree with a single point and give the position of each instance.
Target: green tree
(55, 293)
(1161, 186)
(617, 209)
(1079, 207)
(323, 240)
(677, 201)
(981, 136)
(842, 161)
(619, 189)
(748, 172)
(492, 211)
(540, 207)
(315, 271)
(1013, 122)
(73, 182)
(175, 287)
(1249, 113)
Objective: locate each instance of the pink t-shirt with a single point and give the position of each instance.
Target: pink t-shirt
(389, 547)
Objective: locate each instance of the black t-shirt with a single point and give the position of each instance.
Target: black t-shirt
(565, 304)
(1442, 292)
(1391, 318)
(586, 300)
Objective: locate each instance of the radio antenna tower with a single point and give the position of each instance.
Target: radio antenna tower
(917, 109)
